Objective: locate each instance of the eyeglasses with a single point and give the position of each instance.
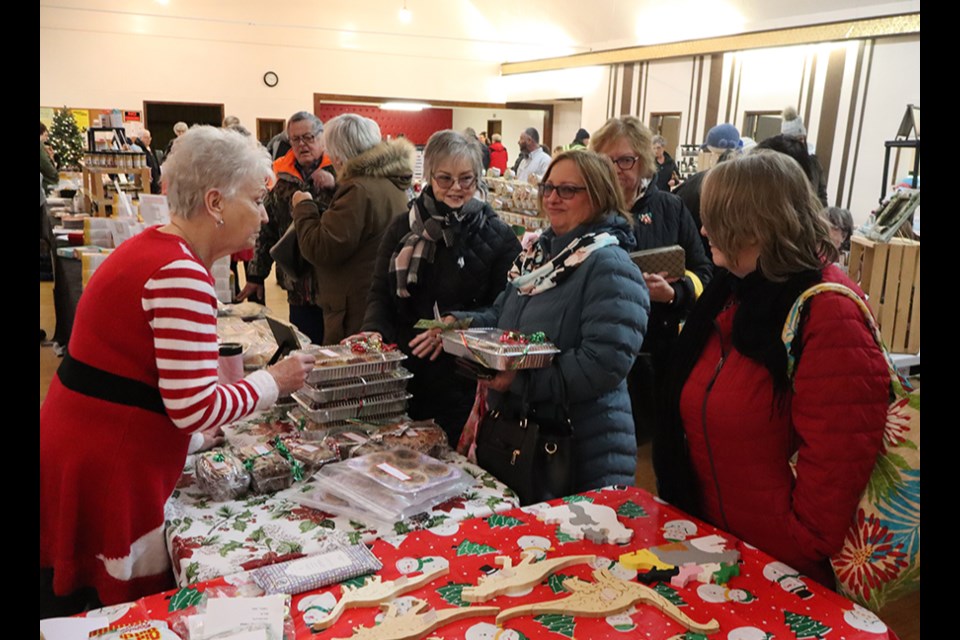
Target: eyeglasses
(565, 191)
(306, 138)
(625, 162)
(445, 181)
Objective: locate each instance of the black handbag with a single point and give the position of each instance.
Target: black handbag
(534, 459)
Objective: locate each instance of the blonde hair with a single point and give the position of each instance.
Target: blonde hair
(765, 198)
(636, 133)
(600, 179)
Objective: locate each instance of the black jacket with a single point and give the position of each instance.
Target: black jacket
(661, 220)
(665, 172)
(464, 277)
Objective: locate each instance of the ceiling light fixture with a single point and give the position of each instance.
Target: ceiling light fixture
(405, 15)
(405, 106)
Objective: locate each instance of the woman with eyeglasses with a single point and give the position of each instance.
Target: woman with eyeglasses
(342, 241)
(578, 286)
(451, 250)
(661, 220)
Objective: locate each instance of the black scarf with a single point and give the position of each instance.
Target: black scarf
(757, 323)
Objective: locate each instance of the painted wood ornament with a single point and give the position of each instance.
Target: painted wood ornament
(373, 592)
(596, 522)
(516, 578)
(413, 624)
(607, 596)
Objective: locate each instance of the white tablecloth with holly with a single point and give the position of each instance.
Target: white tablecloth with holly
(208, 539)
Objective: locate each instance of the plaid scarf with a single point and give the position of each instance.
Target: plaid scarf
(430, 223)
(534, 273)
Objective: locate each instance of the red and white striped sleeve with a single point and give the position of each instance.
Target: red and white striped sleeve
(180, 304)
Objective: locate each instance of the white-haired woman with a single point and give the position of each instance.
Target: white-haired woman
(141, 377)
(451, 251)
(374, 176)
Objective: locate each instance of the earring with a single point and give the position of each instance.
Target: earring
(220, 221)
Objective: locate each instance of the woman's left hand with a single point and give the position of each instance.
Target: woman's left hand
(502, 381)
(660, 287)
(299, 197)
(427, 344)
(212, 438)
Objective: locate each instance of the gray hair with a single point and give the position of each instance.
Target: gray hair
(180, 128)
(452, 145)
(533, 133)
(496, 137)
(349, 135)
(211, 158)
(659, 140)
(230, 121)
(316, 124)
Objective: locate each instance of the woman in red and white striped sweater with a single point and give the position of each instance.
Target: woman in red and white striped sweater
(141, 377)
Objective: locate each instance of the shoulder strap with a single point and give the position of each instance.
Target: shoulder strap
(791, 325)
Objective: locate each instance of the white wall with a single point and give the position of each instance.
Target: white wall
(894, 83)
(566, 122)
(668, 89)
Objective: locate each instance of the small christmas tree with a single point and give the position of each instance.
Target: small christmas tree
(467, 548)
(557, 623)
(186, 597)
(555, 582)
(670, 594)
(805, 626)
(631, 509)
(497, 520)
(66, 140)
(452, 593)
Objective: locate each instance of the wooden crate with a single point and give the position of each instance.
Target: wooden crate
(889, 273)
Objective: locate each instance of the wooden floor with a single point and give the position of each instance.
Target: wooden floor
(902, 616)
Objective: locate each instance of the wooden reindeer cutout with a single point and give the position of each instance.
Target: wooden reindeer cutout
(373, 592)
(413, 624)
(607, 596)
(526, 574)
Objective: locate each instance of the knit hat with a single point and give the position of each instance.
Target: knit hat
(723, 137)
(792, 124)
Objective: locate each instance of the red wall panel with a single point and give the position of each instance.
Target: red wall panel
(417, 126)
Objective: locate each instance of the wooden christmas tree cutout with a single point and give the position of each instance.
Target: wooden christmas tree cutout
(373, 592)
(526, 574)
(413, 624)
(606, 597)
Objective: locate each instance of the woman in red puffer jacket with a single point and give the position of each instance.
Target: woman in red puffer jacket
(736, 418)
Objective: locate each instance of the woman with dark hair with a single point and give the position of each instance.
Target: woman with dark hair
(736, 418)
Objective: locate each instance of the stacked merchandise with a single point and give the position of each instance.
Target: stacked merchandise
(384, 486)
(515, 202)
(361, 380)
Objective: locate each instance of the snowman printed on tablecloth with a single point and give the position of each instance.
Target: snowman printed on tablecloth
(428, 564)
(864, 620)
(616, 569)
(488, 631)
(788, 578)
(112, 613)
(717, 593)
(537, 545)
(446, 528)
(749, 633)
(534, 509)
(315, 608)
(679, 530)
(623, 621)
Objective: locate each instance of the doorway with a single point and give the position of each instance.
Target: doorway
(159, 118)
(668, 126)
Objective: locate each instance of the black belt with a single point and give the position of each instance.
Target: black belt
(103, 385)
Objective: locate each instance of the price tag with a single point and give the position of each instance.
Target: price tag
(392, 470)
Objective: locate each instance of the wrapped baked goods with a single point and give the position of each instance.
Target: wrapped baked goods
(252, 432)
(269, 471)
(221, 475)
(425, 436)
(313, 572)
(346, 441)
(310, 456)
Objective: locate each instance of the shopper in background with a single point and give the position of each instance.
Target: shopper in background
(48, 171)
(178, 130)
(841, 227)
(534, 160)
(661, 220)
(736, 418)
(472, 134)
(141, 377)
(374, 176)
(666, 167)
(498, 154)
(145, 142)
(797, 149)
(304, 168)
(791, 125)
(581, 140)
(451, 251)
(578, 286)
(724, 142)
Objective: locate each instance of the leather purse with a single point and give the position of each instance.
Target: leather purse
(286, 253)
(533, 459)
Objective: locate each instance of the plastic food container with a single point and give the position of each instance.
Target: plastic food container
(371, 407)
(336, 362)
(483, 346)
(359, 387)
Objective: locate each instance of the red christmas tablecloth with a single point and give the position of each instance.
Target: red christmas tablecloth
(767, 600)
